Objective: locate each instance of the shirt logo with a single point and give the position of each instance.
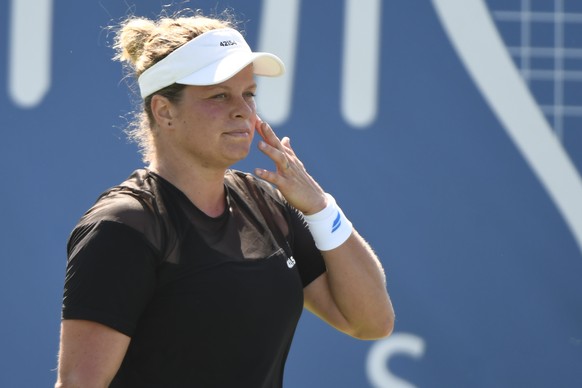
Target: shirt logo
(290, 262)
(228, 43)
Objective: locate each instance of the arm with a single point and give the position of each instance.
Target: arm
(351, 296)
(90, 354)
(110, 278)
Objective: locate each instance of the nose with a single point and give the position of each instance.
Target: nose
(244, 107)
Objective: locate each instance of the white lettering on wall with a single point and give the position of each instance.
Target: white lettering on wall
(29, 57)
(361, 62)
(278, 34)
(29, 67)
(359, 68)
(377, 364)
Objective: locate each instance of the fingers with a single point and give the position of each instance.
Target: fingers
(279, 156)
(290, 177)
(279, 151)
(268, 134)
(259, 127)
(286, 142)
(270, 176)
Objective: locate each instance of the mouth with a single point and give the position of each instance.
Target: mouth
(242, 133)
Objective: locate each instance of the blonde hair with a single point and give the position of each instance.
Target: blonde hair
(140, 43)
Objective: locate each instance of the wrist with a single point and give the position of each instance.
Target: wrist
(329, 227)
(317, 207)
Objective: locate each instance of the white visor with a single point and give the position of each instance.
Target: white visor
(208, 59)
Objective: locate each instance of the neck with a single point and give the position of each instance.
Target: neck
(203, 187)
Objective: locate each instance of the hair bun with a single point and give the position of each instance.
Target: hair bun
(132, 38)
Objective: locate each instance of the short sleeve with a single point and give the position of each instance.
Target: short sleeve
(309, 259)
(111, 275)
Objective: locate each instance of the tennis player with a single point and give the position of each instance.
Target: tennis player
(189, 273)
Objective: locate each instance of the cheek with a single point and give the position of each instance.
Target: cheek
(205, 118)
(254, 117)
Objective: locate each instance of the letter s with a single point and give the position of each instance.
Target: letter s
(380, 354)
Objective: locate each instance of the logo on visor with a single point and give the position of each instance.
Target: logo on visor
(225, 43)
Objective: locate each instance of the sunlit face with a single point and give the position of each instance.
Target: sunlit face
(213, 126)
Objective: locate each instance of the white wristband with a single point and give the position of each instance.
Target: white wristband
(329, 227)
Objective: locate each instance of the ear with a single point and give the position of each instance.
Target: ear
(162, 110)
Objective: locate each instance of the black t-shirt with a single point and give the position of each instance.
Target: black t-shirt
(207, 302)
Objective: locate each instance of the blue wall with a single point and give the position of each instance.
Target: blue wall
(482, 248)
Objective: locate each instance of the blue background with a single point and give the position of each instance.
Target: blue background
(480, 264)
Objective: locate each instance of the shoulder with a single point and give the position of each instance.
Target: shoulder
(131, 203)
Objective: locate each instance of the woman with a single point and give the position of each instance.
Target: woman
(189, 274)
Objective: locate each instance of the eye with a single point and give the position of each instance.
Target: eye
(219, 96)
(250, 95)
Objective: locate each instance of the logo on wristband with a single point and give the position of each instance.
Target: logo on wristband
(336, 223)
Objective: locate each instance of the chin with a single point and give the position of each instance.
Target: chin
(236, 157)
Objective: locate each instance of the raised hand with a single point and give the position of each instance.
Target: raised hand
(290, 175)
